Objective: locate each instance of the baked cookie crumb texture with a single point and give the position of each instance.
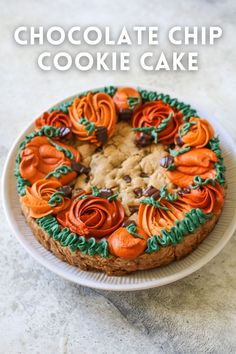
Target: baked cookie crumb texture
(120, 180)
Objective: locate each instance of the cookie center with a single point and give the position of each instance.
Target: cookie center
(123, 167)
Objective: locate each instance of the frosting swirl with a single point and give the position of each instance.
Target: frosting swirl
(99, 110)
(93, 216)
(127, 98)
(56, 119)
(40, 157)
(152, 220)
(196, 133)
(124, 245)
(196, 162)
(41, 199)
(209, 198)
(152, 114)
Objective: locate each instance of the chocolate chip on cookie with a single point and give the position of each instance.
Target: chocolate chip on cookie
(64, 131)
(133, 209)
(166, 161)
(179, 141)
(143, 175)
(138, 192)
(105, 193)
(152, 191)
(79, 168)
(125, 115)
(67, 190)
(127, 178)
(143, 140)
(101, 134)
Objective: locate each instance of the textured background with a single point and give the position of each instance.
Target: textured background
(41, 313)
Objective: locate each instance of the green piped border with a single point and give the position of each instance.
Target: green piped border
(192, 220)
(68, 239)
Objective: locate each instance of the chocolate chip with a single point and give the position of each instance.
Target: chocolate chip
(143, 174)
(67, 190)
(156, 195)
(64, 131)
(128, 222)
(138, 192)
(105, 193)
(79, 168)
(166, 161)
(179, 141)
(125, 114)
(133, 209)
(183, 191)
(171, 146)
(150, 191)
(143, 140)
(127, 178)
(101, 134)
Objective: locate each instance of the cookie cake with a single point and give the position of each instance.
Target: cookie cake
(121, 179)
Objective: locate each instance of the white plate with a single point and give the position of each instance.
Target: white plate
(139, 280)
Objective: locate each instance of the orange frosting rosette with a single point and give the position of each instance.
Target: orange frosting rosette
(153, 219)
(37, 198)
(196, 162)
(55, 119)
(199, 132)
(98, 109)
(93, 216)
(152, 114)
(127, 98)
(125, 245)
(40, 157)
(209, 198)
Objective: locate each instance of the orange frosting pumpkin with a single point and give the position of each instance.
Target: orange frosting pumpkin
(40, 158)
(196, 162)
(37, 198)
(127, 98)
(153, 219)
(93, 216)
(198, 135)
(56, 119)
(151, 114)
(97, 108)
(209, 198)
(124, 245)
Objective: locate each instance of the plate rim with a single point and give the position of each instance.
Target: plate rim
(146, 284)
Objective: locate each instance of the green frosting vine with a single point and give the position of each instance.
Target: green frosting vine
(153, 202)
(185, 109)
(89, 126)
(96, 193)
(153, 130)
(171, 197)
(219, 165)
(192, 220)
(185, 128)
(59, 171)
(175, 153)
(132, 228)
(56, 198)
(133, 102)
(60, 148)
(199, 182)
(68, 239)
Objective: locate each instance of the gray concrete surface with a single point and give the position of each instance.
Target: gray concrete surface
(41, 313)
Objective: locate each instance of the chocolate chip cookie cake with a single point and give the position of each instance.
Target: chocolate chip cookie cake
(121, 179)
